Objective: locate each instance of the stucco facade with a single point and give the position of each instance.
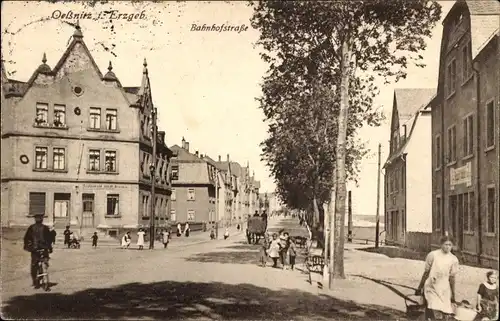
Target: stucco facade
(73, 141)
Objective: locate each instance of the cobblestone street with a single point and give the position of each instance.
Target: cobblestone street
(209, 280)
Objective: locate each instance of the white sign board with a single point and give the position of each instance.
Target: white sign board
(461, 175)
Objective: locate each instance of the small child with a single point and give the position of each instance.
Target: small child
(226, 234)
(292, 252)
(94, 240)
(487, 297)
(263, 252)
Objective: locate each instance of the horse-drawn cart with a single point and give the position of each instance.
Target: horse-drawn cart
(256, 229)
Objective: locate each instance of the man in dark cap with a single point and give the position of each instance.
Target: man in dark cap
(38, 237)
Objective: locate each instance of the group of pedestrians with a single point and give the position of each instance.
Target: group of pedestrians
(141, 235)
(280, 246)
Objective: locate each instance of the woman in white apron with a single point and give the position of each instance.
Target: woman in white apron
(140, 239)
(438, 281)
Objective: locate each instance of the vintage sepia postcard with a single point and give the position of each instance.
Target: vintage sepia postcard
(250, 160)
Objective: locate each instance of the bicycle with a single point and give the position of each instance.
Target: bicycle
(42, 270)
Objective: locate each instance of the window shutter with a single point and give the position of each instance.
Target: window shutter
(37, 203)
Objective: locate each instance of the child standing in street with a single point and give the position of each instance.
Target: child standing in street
(274, 250)
(94, 240)
(226, 234)
(292, 252)
(263, 251)
(487, 297)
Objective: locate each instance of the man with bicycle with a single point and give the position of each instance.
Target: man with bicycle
(38, 241)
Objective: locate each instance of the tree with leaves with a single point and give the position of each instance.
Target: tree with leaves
(349, 39)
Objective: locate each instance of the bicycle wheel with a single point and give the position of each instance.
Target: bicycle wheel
(43, 276)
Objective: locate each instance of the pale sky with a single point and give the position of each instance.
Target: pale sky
(204, 83)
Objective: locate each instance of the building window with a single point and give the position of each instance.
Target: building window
(173, 197)
(451, 80)
(94, 160)
(452, 144)
(59, 115)
(88, 202)
(59, 157)
(402, 178)
(175, 172)
(42, 114)
(490, 221)
(438, 151)
(110, 161)
(472, 212)
(95, 117)
(466, 63)
(37, 203)
(438, 214)
(113, 202)
(190, 194)
(61, 205)
(190, 215)
(464, 200)
(41, 155)
(111, 118)
(468, 135)
(490, 124)
(145, 205)
(172, 216)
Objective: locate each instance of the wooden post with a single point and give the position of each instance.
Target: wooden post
(377, 226)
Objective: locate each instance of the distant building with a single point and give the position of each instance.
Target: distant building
(76, 146)
(193, 187)
(408, 181)
(466, 132)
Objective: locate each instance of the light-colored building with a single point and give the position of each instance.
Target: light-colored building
(466, 132)
(76, 146)
(408, 180)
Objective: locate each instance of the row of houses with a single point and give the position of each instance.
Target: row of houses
(77, 147)
(442, 174)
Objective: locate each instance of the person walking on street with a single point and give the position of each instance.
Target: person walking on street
(186, 229)
(165, 238)
(140, 239)
(179, 229)
(283, 249)
(274, 250)
(438, 281)
(263, 251)
(67, 236)
(53, 235)
(226, 234)
(292, 252)
(94, 240)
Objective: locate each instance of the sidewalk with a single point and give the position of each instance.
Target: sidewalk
(373, 278)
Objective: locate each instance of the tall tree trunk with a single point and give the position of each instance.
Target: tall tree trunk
(340, 195)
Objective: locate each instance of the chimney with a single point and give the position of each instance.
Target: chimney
(219, 158)
(228, 158)
(183, 145)
(201, 155)
(197, 154)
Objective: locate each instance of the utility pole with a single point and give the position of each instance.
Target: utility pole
(152, 168)
(377, 226)
(217, 204)
(349, 217)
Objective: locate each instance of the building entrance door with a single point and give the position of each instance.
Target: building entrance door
(61, 209)
(88, 210)
(456, 217)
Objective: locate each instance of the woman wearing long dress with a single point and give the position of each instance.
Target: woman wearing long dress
(438, 281)
(186, 229)
(140, 239)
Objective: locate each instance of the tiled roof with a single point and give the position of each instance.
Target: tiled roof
(483, 7)
(184, 155)
(209, 160)
(410, 100)
(236, 169)
(131, 90)
(483, 28)
(223, 166)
